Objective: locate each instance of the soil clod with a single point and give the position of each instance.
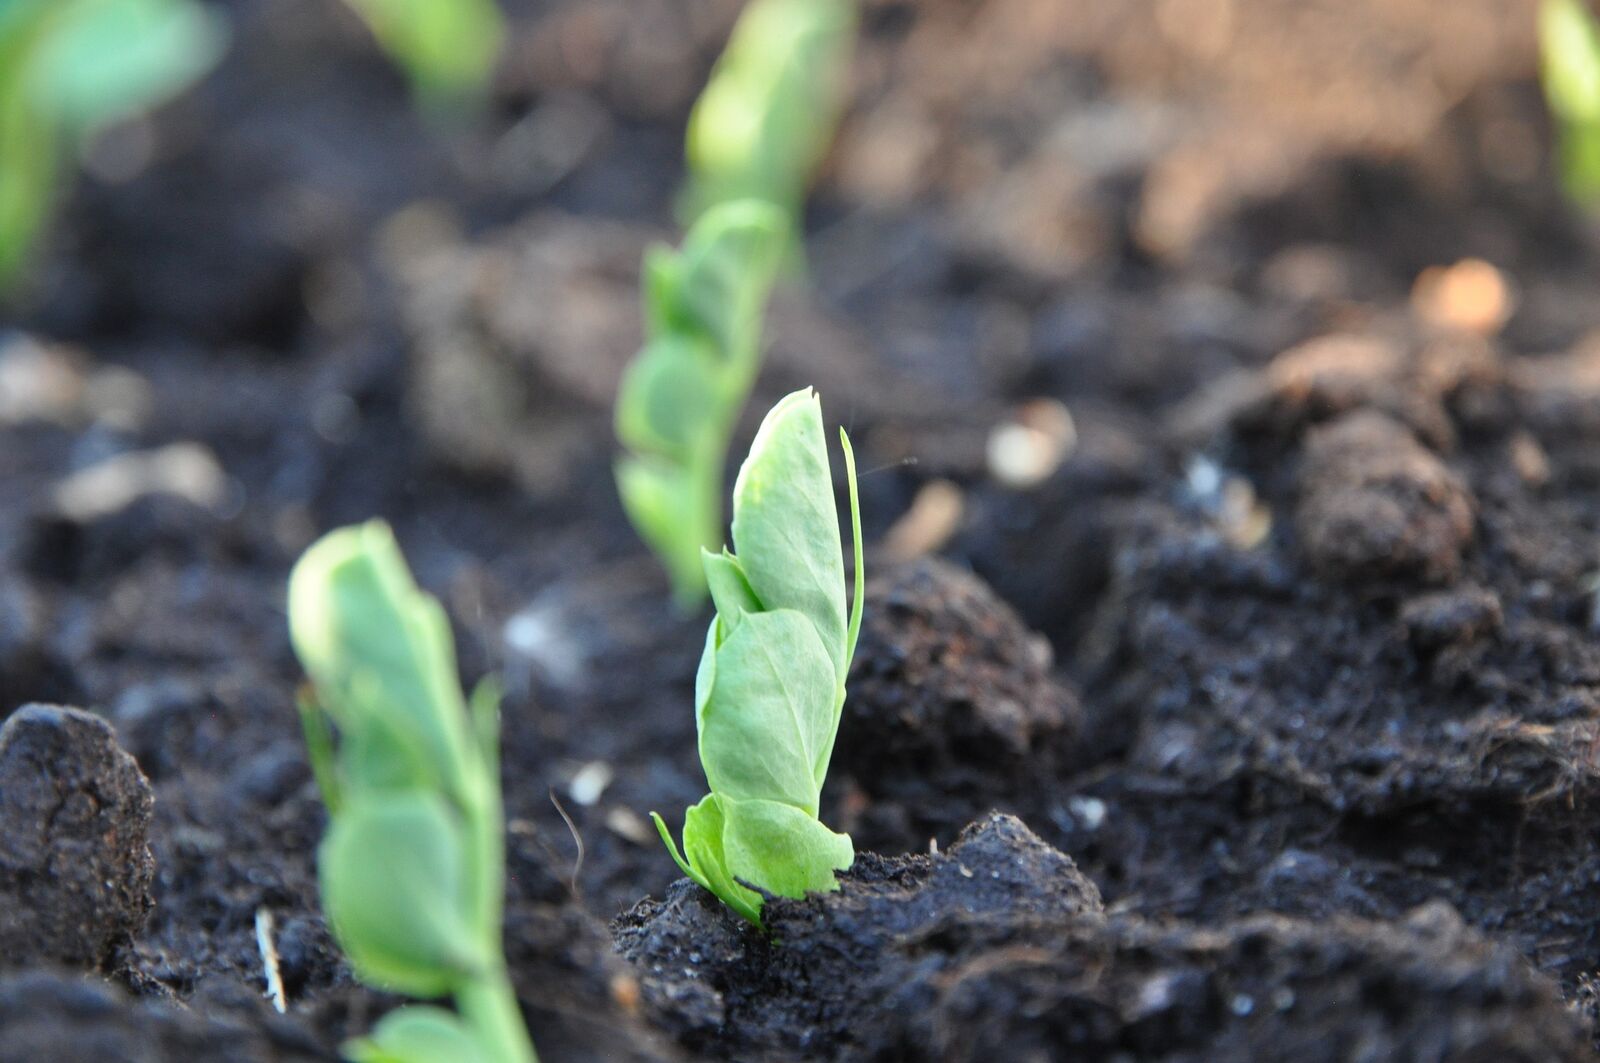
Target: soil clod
(75, 866)
(952, 701)
(1375, 504)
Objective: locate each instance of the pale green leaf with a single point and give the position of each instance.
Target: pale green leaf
(703, 845)
(705, 676)
(764, 121)
(727, 268)
(660, 502)
(730, 590)
(377, 648)
(448, 47)
(679, 399)
(770, 714)
(28, 149)
(786, 525)
(659, 281)
(103, 60)
(418, 1034)
(781, 849)
(672, 850)
(667, 402)
(394, 886)
(1569, 40)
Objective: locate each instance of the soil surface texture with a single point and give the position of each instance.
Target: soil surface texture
(1225, 377)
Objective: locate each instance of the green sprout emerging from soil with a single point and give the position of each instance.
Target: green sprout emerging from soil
(412, 869)
(446, 47)
(768, 114)
(771, 684)
(676, 408)
(69, 69)
(1569, 40)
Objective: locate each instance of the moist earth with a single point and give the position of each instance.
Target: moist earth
(1252, 716)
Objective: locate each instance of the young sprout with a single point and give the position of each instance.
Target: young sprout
(768, 114)
(770, 688)
(68, 69)
(446, 47)
(1569, 43)
(412, 869)
(676, 408)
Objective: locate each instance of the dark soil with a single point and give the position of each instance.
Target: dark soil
(1286, 658)
(1001, 946)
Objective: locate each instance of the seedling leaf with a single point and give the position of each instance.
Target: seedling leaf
(413, 866)
(770, 712)
(762, 125)
(781, 847)
(418, 1034)
(447, 47)
(679, 399)
(770, 687)
(1569, 39)
(392, 884)
(785, 524)
(379, 651)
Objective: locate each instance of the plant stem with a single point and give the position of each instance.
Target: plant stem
(490, 1008)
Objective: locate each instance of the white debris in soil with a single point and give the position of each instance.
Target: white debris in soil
(539, 636)
(1229, 500)
(187, 470)
(269, 959)
(626, 823)
(589, 784)
(1031, 444)
(56, 384)
(1088, 811)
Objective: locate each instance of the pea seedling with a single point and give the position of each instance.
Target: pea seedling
(678, 402)
(766, 117)
(412, 869)
(1569, 43)
(68, 69)
(446, 47)
(771, 684)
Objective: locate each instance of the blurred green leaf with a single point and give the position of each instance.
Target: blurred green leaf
(765, 119)
(680, 397)
(394, 887)
(418, 1034)
(104, 60)
(382, 658)
(1569, 39)
(68, 68)
(447, 47)
(413, 866)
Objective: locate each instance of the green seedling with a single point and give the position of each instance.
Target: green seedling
(766, 118)
(446, 47)
(69, 69)
(412, 869)
(679, 400)
(771, 684)
(1569, 40)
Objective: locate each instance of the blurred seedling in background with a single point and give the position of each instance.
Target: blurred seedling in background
(767, 116)
(1569, 44)
(412, 869)
(771, 684)
(679, 400)
(447, 48)
(68, 70)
